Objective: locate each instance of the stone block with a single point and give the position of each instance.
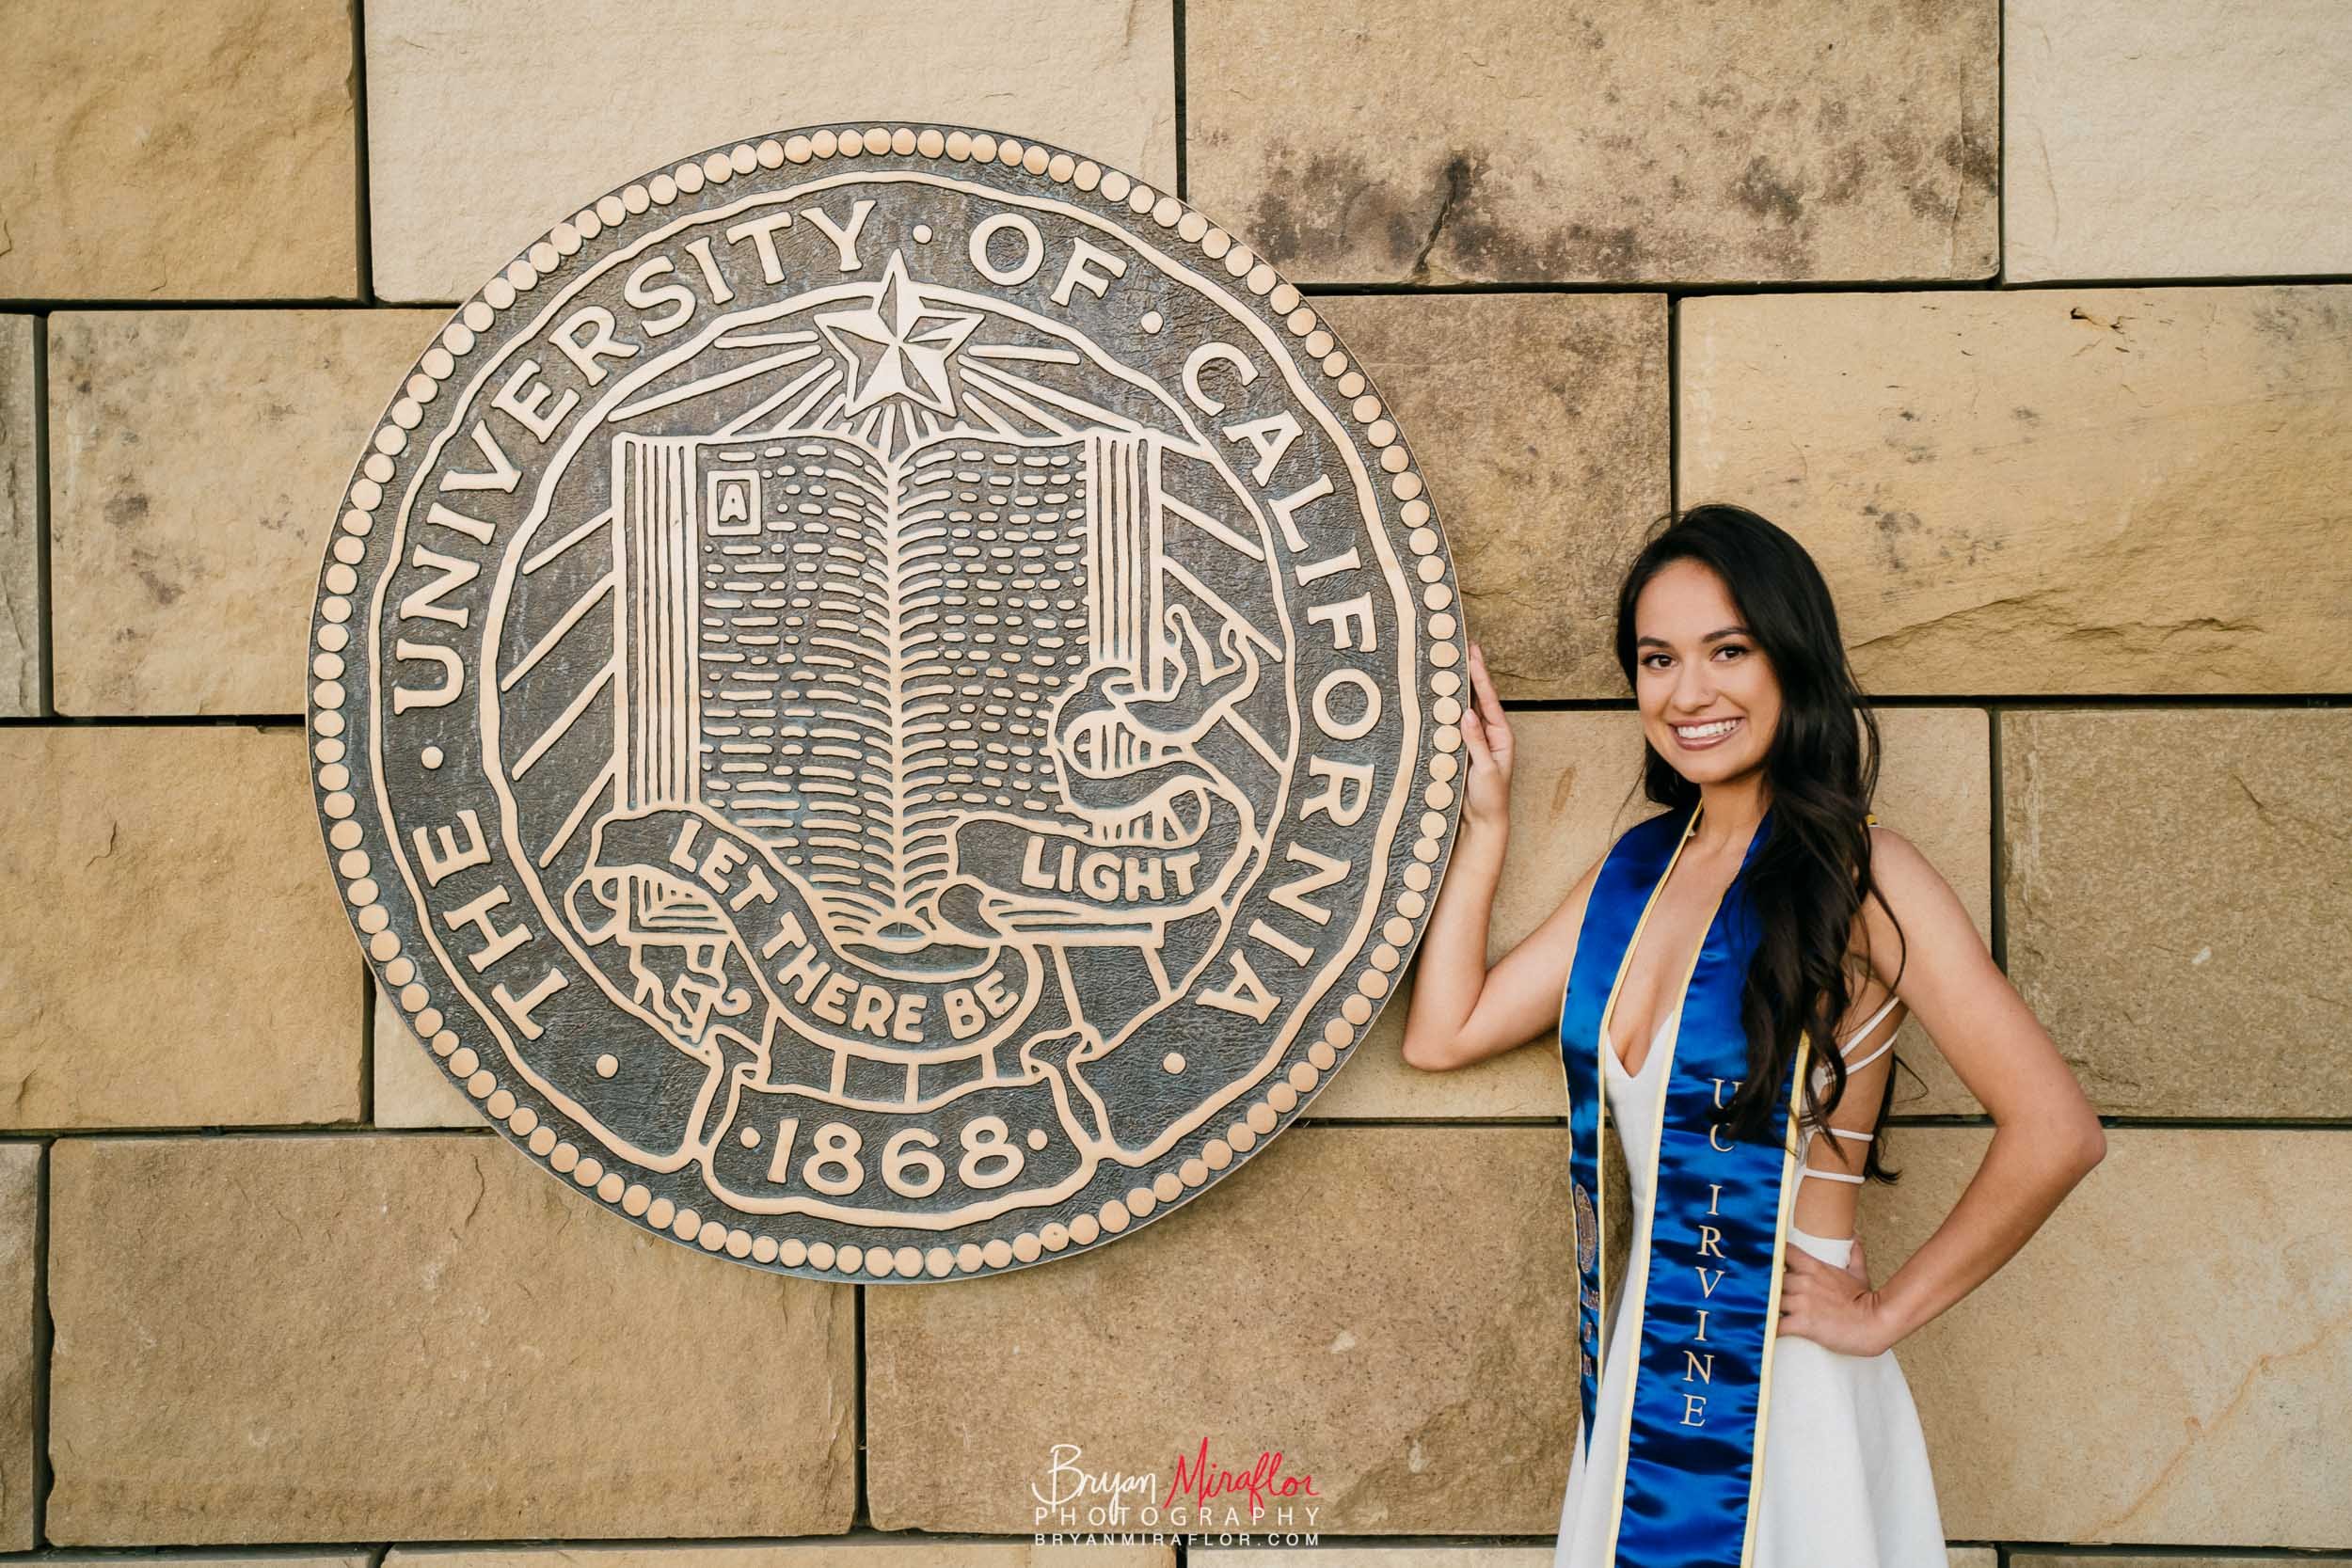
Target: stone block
(2175, 138)
(20, 1365)
(2046, 491)
(171, 953)
(1543, 420)
(2170, 1342)
(156, 150)
(198, 458)
(417, 1336)
(479, 140)
(1568, 800)
(20, 521)
(2177, 909)
(1503, 141)
(1293, 1307)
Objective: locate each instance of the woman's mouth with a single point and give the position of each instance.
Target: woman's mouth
(1699, 737)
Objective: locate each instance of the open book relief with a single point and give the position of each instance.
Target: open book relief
(859, 668)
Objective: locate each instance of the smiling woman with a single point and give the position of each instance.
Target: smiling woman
(1735, 698)
(1727, 979)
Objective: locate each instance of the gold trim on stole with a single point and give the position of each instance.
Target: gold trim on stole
(1631, 1299)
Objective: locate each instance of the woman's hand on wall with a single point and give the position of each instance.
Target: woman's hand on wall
(1487, 796)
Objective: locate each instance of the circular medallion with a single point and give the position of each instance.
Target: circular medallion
(885, 701)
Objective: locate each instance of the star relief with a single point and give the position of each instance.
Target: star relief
(899, 347)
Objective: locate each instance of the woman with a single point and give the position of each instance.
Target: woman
(1749, 1410)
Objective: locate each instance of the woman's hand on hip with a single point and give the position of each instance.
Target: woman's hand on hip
(1833, 1307)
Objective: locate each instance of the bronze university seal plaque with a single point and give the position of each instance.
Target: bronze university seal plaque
(884, 701)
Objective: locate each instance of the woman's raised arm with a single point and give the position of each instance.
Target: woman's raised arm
(1462, 1012)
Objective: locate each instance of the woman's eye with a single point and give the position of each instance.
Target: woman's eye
(1731, 648)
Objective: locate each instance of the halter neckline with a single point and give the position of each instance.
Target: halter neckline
(1610, 1050)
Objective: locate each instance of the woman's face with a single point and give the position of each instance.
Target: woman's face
(1708, 697)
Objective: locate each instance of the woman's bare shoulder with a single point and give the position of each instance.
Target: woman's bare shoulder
(1908, 894)
(1901, 867)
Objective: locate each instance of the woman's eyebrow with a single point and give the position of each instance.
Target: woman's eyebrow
(1720, 631)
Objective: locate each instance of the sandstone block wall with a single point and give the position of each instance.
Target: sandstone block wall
(2033, 320)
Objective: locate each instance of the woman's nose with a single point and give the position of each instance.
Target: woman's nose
(1692, 690)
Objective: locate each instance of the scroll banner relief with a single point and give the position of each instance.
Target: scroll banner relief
(885, 701)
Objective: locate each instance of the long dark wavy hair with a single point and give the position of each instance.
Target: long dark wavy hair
(1809, 877)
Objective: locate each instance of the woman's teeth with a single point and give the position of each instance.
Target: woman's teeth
(1703, 733)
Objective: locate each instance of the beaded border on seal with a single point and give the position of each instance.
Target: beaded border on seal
(345, 837)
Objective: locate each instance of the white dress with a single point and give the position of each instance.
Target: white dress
(1846, 1478)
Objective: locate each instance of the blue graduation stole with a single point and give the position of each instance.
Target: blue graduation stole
(1707, 1312)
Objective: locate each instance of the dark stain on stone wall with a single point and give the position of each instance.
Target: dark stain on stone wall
(1768, 192)
(1973, 157)
(1893, 526)
(1331, 204)
(1849, 168)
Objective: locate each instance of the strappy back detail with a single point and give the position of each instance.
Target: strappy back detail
(1859, 1035)
(1610, 1057)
